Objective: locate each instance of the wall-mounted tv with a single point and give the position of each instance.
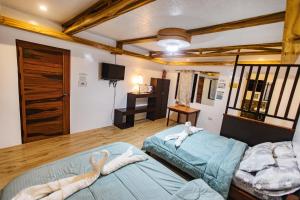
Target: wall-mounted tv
(112, 72)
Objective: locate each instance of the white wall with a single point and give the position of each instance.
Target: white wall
(210, 117)
(91, 107)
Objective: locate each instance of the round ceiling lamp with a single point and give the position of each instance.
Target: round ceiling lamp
(173, 39)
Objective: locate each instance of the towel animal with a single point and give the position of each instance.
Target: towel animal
(63, 188)
(121, 161)
(180, 137)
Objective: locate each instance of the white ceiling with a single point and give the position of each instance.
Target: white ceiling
(58, 10)
(187, 14)
(251, 35)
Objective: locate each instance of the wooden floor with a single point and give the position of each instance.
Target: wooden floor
(18, 159)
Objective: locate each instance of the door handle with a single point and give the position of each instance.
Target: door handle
(65, 94)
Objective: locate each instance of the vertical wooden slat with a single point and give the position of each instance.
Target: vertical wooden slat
(247, 84)
(254, 88)
(232, 80)
(177, 83)
(194, 87)
(262, 91)
(292, 93)
(239, 86)
(282, 90)
(272, 89)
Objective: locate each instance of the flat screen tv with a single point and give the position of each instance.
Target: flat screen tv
(112, 72)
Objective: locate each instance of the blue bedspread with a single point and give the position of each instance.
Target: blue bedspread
(147, 180)
(203, 155)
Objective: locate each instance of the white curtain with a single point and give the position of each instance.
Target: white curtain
(184, 91)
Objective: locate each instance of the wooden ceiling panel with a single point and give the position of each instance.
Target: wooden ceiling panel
(291, 42)
(100, 12)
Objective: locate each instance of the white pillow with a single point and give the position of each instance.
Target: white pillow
(275, 178)
(258, 158)
(244, 176)
(283, 150)
(287, 163)
(296, 148)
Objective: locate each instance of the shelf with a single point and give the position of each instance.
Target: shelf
(142, 95)
(155, 109)
(138, 109)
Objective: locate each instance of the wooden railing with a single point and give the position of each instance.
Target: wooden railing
(289, 72)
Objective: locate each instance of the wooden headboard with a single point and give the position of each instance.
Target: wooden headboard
(254, 132)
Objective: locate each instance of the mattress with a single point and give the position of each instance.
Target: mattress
(202, 155)
(146, 180)
(247, 187)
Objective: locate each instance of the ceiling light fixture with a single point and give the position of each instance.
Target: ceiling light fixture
(43, 8)
(33, 22)
(173, 39)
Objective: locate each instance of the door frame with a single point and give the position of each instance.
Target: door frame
(20, 44)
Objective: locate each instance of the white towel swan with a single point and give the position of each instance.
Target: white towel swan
(63, 188)
(180, 137)
(121, 161)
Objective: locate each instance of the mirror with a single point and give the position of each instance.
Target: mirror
(207, 88)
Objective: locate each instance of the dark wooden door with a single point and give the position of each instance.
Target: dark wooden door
(44, 89)
(200, 89)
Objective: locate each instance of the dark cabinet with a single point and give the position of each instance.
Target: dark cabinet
(160, 103)
(156, 108)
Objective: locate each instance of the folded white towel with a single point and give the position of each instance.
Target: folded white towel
(63, 188)
(180, 137)
(172, 137)
(121, 161)
(195, 129)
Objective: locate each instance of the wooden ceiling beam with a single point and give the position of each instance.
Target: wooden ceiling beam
(18, 24)
(249, 22)
(100, 12)
(220, 63)
(187, 55)
(261, 49)
(139, 40)
(265, 48)
(247, 46)
(254, 21)
(291, 35)
(230, 48)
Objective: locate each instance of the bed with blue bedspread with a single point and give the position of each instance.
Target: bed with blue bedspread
(146, 180)
(204, 155)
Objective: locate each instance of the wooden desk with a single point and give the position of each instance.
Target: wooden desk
(183, 110)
